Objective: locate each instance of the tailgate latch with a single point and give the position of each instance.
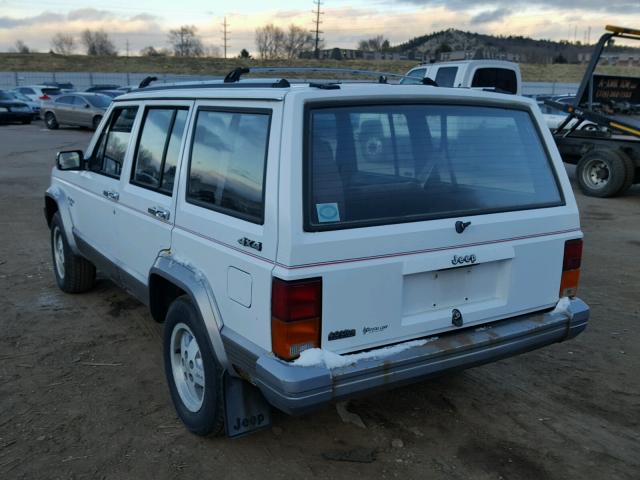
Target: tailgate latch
(456, 317)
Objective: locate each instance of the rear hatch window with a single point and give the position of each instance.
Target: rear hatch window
(502, 79)
(375, 165)
(51, 91)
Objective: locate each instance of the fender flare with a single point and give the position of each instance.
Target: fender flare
(194, 284)
(59, 196)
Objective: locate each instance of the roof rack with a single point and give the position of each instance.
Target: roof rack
(234, 75)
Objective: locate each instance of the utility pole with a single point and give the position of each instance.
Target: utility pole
(317, 12)
(225, 35)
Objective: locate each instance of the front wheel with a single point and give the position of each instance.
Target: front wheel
(51, 121)
(604, 173)
(74, 274)
(192, 370)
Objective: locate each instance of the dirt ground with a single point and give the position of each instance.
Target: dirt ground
(83, 395)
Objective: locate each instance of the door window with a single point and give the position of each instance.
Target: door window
(414, 77)
(66, 100)
(228, 157)
(79, 101)
(108, 156)
(158, 149)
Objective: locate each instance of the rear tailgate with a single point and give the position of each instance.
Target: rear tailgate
(394, 260)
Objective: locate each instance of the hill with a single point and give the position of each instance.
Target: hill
(478, 45)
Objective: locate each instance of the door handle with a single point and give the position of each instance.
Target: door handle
(159, 212)
(111, 195)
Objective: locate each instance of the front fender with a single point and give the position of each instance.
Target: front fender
(63, 202)
(195, 284)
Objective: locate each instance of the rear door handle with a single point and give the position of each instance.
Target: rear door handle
(111, 195)
(159, 212)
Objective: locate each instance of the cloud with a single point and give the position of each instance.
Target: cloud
(611, 6)
(489, 16)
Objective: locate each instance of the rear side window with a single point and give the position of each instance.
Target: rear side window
(374, 165)
(111, 149)
(228, 159)
(51, 91)
(446, 76)
(499, 78)
(158, 149)
(67, 100)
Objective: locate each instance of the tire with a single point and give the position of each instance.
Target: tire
(604, 173)
(200, 407)
(51, 121)
(96, 121)
(74, 274)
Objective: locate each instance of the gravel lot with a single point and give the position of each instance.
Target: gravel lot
(83, 395)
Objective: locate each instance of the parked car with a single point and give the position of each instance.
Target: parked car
(482, 74)
(98, 88)
(32, 104)
(65, 87)
(76, 109)
(112, 93)
(11, 110)
(303, 244)
(39, 92)
(554, 118)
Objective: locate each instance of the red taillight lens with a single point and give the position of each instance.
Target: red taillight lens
(45, 97)
(571, 268)
(572, 255)
(296, 312)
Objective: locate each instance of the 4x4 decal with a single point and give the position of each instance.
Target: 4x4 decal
(247, 242)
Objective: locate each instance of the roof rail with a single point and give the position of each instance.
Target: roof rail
(147, 81)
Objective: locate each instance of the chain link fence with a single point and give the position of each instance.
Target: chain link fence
(84, 80)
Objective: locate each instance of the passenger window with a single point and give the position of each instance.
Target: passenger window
(79, 101)
(109, 154)
(446, 76)
(158, 148)
(67, 100)
(226, 171)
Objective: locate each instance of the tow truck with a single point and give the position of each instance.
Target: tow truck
(607, 158)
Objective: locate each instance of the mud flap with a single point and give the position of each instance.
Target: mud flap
(246, 410)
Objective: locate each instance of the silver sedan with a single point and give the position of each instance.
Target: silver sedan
(77, 109)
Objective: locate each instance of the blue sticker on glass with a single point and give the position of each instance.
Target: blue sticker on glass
(328, 212)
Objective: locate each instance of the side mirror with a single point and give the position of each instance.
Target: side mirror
(86, 105)
(70, 160)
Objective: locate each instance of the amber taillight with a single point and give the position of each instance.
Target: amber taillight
(571, 268)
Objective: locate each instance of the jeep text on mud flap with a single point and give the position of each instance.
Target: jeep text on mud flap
(304, 244)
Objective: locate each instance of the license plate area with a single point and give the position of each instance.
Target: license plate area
(454, 287)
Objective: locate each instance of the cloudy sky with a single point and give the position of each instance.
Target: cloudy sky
(146, 22)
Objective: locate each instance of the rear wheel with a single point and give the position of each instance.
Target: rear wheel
(96, 121)
(605, 173)
(192, 370)
(74, 274)
(51, 121)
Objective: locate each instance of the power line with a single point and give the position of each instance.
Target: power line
(317, 12)
(225, 35)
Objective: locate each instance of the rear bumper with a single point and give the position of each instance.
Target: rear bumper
(295, 390)
(15, 116)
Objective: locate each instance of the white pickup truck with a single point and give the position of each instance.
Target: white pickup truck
(304, 243)
(497, 75)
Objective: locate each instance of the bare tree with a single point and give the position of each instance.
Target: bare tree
(21, 47)
(63, 44)
(98, 43)
(270, 41)
(375, 44)
(185, 42)
(297, 40)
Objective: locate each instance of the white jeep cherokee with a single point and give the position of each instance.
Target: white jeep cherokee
(310, 242)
